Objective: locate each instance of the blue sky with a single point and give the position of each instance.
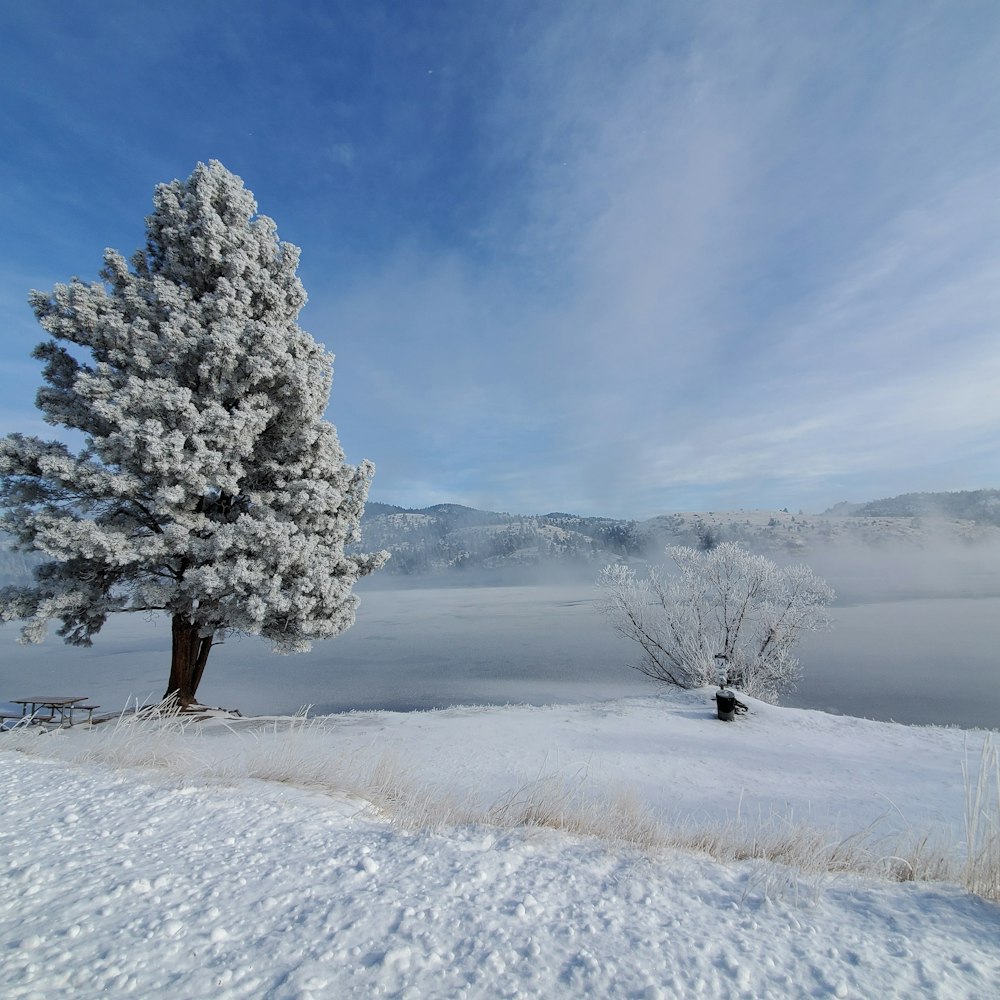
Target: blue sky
(612, 258)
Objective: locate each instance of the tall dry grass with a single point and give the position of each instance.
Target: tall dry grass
(982, 823)
(302, 752)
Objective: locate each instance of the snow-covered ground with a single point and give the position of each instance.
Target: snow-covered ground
(240, 858)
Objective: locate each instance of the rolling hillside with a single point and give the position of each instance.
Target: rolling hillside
(449, 537)
(453, 539)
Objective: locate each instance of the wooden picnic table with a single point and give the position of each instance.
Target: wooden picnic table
(58, 705)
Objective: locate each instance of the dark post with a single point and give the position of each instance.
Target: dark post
(725, 700)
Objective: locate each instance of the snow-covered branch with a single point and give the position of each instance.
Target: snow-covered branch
(727, 606)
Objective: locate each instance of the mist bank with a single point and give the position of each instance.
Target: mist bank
(893, 570)
(899, 571)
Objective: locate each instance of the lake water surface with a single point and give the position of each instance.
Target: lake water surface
(918, 660)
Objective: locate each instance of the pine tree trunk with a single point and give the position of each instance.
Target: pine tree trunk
(189, 654)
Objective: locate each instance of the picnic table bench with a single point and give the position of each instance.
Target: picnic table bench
(55, 708)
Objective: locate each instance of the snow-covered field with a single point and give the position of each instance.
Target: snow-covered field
(374, 854)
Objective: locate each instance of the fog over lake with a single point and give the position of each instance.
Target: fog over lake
(907, 645)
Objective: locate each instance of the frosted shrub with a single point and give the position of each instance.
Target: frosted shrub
(725, 608)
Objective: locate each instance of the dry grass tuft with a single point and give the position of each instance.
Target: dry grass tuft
(559, 804)
(302, 752)
(982, 823)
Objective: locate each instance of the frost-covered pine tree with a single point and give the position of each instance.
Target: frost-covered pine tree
(208, 486)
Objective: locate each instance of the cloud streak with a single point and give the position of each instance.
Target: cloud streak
(619, 258)
(756, 271)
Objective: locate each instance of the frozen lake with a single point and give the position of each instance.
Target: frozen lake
(916, 660)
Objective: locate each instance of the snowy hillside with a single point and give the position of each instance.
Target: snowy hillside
(449, 537)
(982, 506)
(452, 854)
(784, 532)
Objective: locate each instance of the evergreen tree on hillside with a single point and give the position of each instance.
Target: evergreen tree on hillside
(209, 485)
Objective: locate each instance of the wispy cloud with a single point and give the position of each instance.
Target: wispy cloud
(755, 270)
(613, 258)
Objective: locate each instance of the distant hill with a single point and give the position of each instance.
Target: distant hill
(449, 537)
(463, 542)
(981, 506)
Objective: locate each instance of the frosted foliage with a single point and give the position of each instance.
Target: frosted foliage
(725, 612)
(209, 485)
